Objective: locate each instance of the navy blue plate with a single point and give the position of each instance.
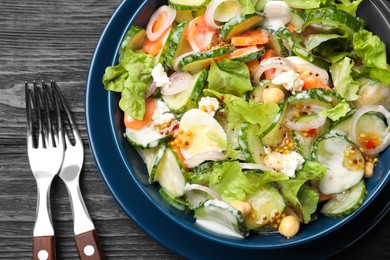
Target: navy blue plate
(125, 173)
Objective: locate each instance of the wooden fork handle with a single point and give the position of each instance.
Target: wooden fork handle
(44, 248)
(88, 246)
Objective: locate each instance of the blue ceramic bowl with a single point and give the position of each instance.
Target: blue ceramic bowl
(125, 173)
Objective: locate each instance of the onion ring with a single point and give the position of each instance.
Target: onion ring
(278, 63)
(211, 10)
(355, 118)
(152, 88)
(180, 81)
(312, 124)
(206, 189)
(171, 14)
(205, 156)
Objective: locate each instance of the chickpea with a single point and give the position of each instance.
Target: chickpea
(289, 226)
(368, 169)
(274, 160)
(242, 206)
(275, 95)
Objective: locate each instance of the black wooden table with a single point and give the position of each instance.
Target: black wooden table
(46, 39)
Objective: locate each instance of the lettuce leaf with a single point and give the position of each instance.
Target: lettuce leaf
(372, 52)
(239, 111)
(344, 84)
(132, 76)
(229, 77)
(349, 6)
(303, 4)
(300, 197)
(248, 6)
(337, 112)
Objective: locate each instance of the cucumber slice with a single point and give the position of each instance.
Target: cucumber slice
(239, 24)
(183, 16)
(345, 203)
(278, 44)
(175, 45)
(370, 125)
(344, 161)
(177, 202)
(170, 174)
(297, 18)
(220, 217)
(201, 174)
(274, 135)
(152, 158)
(188, 4)
(133, 39)
(304, 140)
(250, 143)
(147, 137)
(188, 98)
(201, 60)
(267, 206)
(330, 18)
(252, 54)
(308, 56)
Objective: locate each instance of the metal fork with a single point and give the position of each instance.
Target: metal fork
(87, 242)
(45, 152)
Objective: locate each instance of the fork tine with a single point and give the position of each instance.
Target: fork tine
(71, 120)
(29, 114)
(37, 109)
(49, 127)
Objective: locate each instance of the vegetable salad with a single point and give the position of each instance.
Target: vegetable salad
(255, 115)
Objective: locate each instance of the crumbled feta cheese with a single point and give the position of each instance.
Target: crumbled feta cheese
(162, 114)
(209, 104)
(290, 80)
(277, 14)
(292, 162)
(160, 76)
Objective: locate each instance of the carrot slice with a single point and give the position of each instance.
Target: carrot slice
(311, 81)
(250, 38)
(252, 66)
(324, 197)
(291, 27)
(155, 47)
(150, 106)
(269, 74)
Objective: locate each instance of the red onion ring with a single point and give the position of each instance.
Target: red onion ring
(171, 14)
(206, 189)
(312, 124)
(205, 156)
(180, 81)
(278, 63)
(152, 88)
(212, 8)
(355, 118)
(255, 166)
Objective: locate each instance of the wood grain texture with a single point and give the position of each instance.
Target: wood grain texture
(46, 39)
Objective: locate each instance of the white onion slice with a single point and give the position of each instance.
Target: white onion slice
(312, 124)
(279, 63)
(180, 81)
(355, 118)
(213, 193)
(179, 58)
(205, 156)
(171, 14)
(255, 166)
(211, 10)
(151, 90)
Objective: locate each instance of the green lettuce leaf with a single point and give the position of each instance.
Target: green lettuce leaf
(132, 76)
(295, 197)
(372, 52)
(349, 6)
(239, 111)
(343, 82)
(303, 4)
(314, 40)
(248, 6)
(229, 77)
(337, 112)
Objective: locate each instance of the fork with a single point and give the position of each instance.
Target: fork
(45, 147)
(86, 239)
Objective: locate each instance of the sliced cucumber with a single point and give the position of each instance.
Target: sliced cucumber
(297, 18)
(276, 132)
(239, 24)
(201, 60)
(201, 174)
(267, 206)
(220, 217)
(147, 137)
(133, 39)
(183, 16)
(368, 124)
(170, 174)
(152, 158)
(188, 98)
(250, 143)
(188, 4)
(175, 45)
(308, 56)
(177, 202)
(344, 161)
(345, 203)
(278, 44)
(252, 54)
(304, 140)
